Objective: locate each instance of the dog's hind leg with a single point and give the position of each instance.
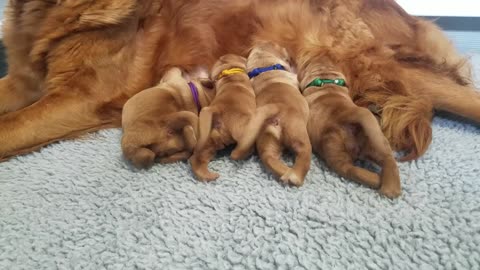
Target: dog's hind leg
(179, 156)
(270, 149)
(190, 138)
(58, 115)
(380, 152)
(340, 161)
(252, 129)
(18, 95)
(187, 123)
(200, 160)
(297, 135)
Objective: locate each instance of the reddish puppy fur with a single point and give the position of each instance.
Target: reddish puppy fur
(282, 115)
(74, 64)
(223, 122)
(341, 132)
(162, 121)
(402, 66)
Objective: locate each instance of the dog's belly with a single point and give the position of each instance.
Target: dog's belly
(194, 39)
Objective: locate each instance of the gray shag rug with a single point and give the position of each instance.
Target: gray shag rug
(78, 205)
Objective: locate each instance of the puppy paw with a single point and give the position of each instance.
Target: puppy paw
(391, 192)
(208, 176)
(290, 177)
(240, 154)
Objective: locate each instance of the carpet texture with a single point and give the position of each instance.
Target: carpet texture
(78, 205)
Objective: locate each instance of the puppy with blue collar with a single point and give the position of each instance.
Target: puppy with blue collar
(280, 122)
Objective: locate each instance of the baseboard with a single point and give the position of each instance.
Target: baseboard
(456, 23)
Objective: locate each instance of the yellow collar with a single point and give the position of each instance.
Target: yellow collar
(228, 72)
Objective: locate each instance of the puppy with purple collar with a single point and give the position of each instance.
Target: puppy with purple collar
(282, 114)
(162, 122)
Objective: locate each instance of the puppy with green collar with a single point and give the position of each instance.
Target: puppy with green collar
(342, 132)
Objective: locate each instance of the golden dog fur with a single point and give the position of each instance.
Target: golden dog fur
(162, 121)
(342, 132)
(281, 117)
(66, 57)
(223, 122)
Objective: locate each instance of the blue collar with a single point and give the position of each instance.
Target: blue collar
(254, 73)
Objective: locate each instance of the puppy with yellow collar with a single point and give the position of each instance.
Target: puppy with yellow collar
(223, 122)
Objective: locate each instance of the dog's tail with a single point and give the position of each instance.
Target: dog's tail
(253, 128)
(406, 123)
(205, 126)
(187, 122)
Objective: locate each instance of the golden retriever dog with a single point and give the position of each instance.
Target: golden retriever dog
(283, 110)
(403, 82)
(74, 64)
(163, 121)
(342, 132)
(223, 122)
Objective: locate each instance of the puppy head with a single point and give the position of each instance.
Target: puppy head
(226, 62)
(266, 53)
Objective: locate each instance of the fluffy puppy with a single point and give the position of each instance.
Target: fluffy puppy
(342, 132)
(162, 121)
(224, 121)
(282, 113)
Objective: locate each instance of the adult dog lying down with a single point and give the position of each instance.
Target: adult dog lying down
(74, 63)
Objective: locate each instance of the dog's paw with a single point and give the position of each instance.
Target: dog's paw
(240, 154)
(208, 176)
(290, 177)
(201, 171)
(391, 192)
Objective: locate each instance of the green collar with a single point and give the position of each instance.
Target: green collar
(321, 82)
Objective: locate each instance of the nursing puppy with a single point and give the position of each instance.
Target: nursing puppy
(162, 121)
(342, 132)
(282, 114)
(223, 122)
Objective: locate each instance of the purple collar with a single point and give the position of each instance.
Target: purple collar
(194, 91)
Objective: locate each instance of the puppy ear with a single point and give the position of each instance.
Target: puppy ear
(207, 83)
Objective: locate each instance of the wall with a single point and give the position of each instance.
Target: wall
(461, 8)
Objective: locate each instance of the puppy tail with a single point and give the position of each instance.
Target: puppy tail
(187, 122)
(204, 126)
(137, 153)
(253, 128)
